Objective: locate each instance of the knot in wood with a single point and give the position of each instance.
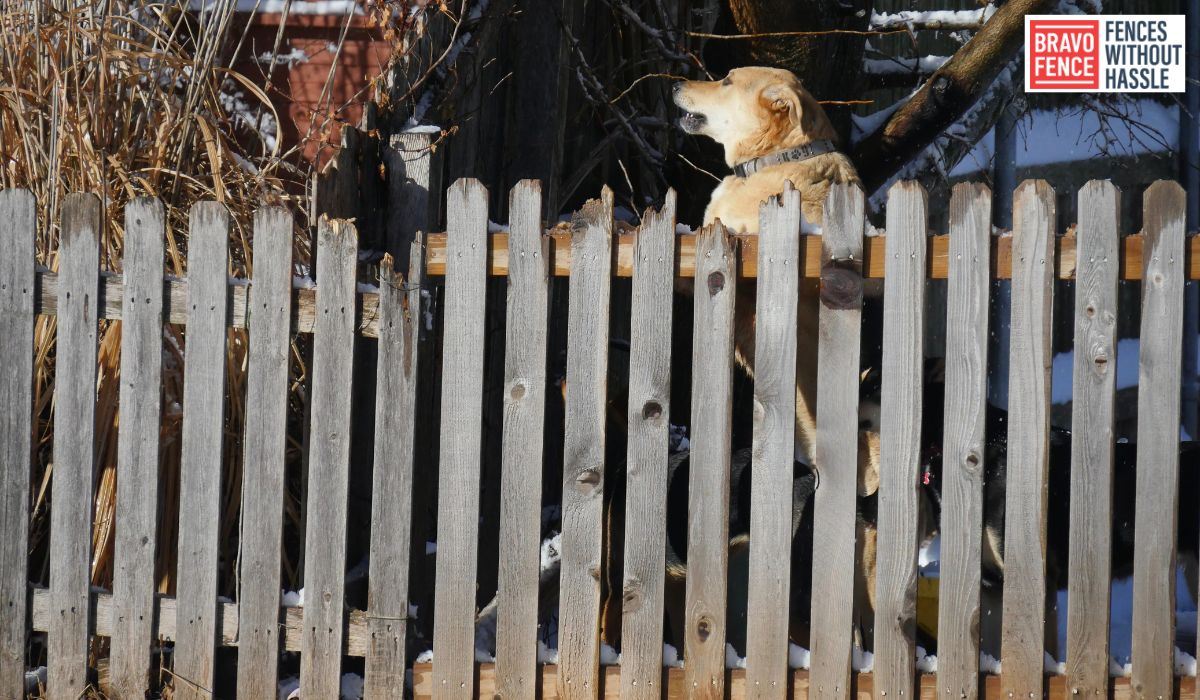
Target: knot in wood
(716, 282)
(518, 391)
(652, 410)
(841, 283)
(631, 598)
(588, 480)
(704, 628)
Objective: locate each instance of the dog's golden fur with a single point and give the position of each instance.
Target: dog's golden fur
(754, 112)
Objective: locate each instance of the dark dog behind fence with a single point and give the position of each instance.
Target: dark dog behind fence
(621, 560)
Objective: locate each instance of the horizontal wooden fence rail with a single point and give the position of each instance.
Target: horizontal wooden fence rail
(821, 567)
(367, 321)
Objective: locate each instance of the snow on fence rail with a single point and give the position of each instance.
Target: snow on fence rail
(132, 616)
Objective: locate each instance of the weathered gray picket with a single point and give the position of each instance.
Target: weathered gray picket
(200, 458)
(137, 451)
(900, 441)
(264, 462)
(834, 526)
(711, 442)
(583, 451)
(962, 446)
(1159, 368)
(392, 486)
(1022, 637)
(649, 421)
(74, 462)
(462, 424)
(773, 453)
(1093, 382)
(329, 462)
(521, 466)
(17, 314)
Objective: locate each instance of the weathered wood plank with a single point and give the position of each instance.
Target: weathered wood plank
(583, 452)
(462, 425)
(264, 462)
(773, 445)
(1022, 638)
(200, 457)
(900, 441)
(137, 450)
(1159, 360)
(413, 170)
(964, 426)
(329, 462)
(17, 250)
(711, 445)
(649, 421)
(392, 500)
(837, 444)
(1093, 382)
(74, 429)
(524, 420)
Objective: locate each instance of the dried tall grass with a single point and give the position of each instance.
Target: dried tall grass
(129, 98)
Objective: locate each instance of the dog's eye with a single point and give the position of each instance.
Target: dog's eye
(727, 81)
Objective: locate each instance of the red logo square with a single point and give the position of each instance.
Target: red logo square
(1063, 54)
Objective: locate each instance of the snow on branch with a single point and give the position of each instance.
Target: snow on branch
(899, 65)
(942, 20)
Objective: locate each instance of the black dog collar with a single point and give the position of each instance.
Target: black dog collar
(791, 155)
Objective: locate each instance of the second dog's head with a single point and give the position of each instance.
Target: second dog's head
(752, 112)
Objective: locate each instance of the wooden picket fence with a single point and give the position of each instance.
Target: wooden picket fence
(133, 617)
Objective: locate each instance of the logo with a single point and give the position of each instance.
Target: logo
(1125, 53)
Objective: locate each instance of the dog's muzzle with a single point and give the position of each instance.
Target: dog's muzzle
(692, 122)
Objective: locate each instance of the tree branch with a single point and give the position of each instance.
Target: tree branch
(947, 95)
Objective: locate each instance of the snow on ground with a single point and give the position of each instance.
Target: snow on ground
(35, 681)
(798, 656)
(670, 657)
(292, 599)
(1064, 136)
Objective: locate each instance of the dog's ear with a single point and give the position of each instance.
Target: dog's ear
(800, 108)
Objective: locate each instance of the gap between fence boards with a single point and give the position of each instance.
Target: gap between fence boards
(304, 302)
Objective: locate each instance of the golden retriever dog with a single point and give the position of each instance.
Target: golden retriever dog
(774, 132)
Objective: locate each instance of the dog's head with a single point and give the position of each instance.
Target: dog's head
(752, 112)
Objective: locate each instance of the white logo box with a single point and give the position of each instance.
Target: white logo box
(1124, 54)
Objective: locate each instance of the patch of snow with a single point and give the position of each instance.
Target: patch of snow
(1115, 669)
(426, 306)
(926, 663)
(930, 553)
(424, 657)
(671, 659)
(809, 227)
(485, 632)
(798, 656)
(366, 288)
(906, 19)
(352, 686)
(292, 599)
(35, 681)
(732, 660)
(609, 656)
(237, 282)
(483, 657)
(988, 664)
(862, 661)
(421, 129)
(546, 655)
(1185, 663)
(900, 65)
(683, 229)
(1052, 666)
(413, 611)
(494, 227)
(303, 282)
(293, 57)
(551, 553)
(677, 438)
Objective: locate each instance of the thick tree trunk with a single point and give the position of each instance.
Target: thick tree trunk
(947, 95)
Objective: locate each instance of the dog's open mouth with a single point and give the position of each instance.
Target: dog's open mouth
(692, 122)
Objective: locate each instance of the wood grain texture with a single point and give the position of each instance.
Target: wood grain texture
(1093, 382)
(137, 450)
(200, 458)
(1022, 638)
(462, 425)
(329, 462)
(900, 441)
(964, 434)
(836, 450)
(649, 421)
(583, 452)
(17, 250)
(711, 445)
(413, 168)
(392, 492)
(521, 459)
(1159, 366)
(74, 430)
(264, 461)
(773, 445)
